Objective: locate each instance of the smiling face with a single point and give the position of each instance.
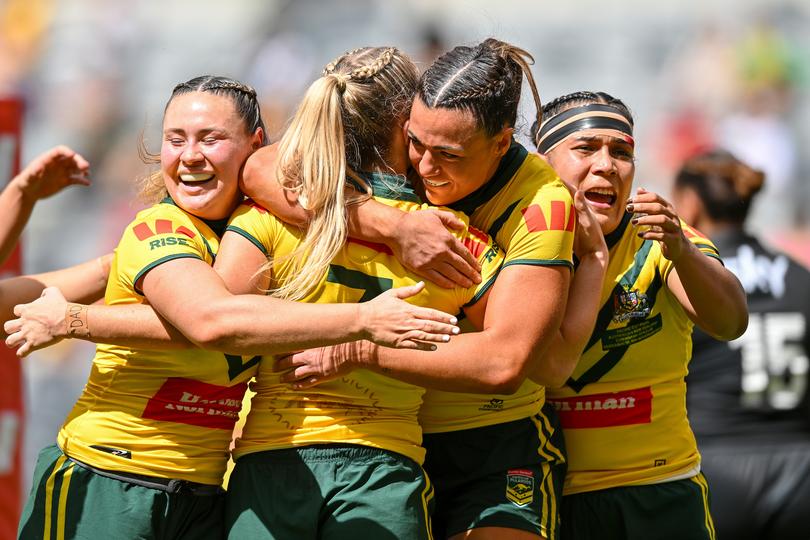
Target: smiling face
(599, 162)
(205, 144)
(451, 153)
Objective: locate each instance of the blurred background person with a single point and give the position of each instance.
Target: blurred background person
(748, 399)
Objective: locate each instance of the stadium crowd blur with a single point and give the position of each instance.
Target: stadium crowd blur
(92, 74)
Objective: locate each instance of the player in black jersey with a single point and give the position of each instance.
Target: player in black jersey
(748, 399)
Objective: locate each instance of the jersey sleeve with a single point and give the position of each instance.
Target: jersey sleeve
(157, 236)
(543, 228)
(255, 223)
(489, 255)
(703, 244)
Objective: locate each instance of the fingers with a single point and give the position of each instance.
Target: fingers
(417, 346)
(463, 262)
(439, 279)
(14, 339)
(78, 180)
(657, 223)
(457, 270)
(12, 326)
(450, 220)
(23, 351)
(442, 319)
(570, 187)
(584, 210)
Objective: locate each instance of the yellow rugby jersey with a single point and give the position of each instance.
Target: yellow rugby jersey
(362, 407)
(168, 414)
(529, 212)
(624, 407)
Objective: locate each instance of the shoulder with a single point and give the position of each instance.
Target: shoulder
(161, 218)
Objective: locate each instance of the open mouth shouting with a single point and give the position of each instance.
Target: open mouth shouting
(601, 197)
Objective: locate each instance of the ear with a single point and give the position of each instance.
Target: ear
(503, 140)
(544, 157)
(257, 140)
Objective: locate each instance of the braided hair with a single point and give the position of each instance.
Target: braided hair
(245, 102)
(344, 124)
(576, 99)
(243, 96)
(484, 80)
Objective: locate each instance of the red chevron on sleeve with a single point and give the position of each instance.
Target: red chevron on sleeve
(162, 226)
(142, 231)
(691, 232)
(536, 219)
(476, 242)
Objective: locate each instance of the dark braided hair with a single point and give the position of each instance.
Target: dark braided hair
(245, 102)
(576, 99)
(484, 80)
(243, 96)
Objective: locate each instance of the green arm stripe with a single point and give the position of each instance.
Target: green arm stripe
(706, 246)
(158, 262)
(540, 262)
(248, 236)
(482, 289)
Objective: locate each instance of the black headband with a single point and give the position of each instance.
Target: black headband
(556, 129)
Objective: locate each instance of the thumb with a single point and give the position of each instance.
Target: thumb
(409, 290)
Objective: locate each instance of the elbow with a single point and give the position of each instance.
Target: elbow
(209, 329)
(732, 328)
(555, 376)
(507, 374)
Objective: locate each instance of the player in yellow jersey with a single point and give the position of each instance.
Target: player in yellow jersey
(342, 460)
(633, 465)
(460, 142)
(142, 453)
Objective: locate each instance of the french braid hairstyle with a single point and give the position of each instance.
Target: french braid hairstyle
(344, 124)
(247, 107)
(577, 99)
(484, 80)
(725, 185)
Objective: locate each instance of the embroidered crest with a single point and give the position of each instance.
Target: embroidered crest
(520, 486)
(630, 305)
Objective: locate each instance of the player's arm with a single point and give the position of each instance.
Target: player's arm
(83, 283)
(258, 181)
(47, 174)
(495, 360)
(583, 300)
(419, 239)
(202, 309)
(211, 317)
(710, 294)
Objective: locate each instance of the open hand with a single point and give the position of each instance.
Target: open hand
(661, 222)
(390, 321)
(39, 324)
(51, 172)
(425, 246)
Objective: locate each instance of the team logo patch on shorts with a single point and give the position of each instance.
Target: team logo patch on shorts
(520, 486)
